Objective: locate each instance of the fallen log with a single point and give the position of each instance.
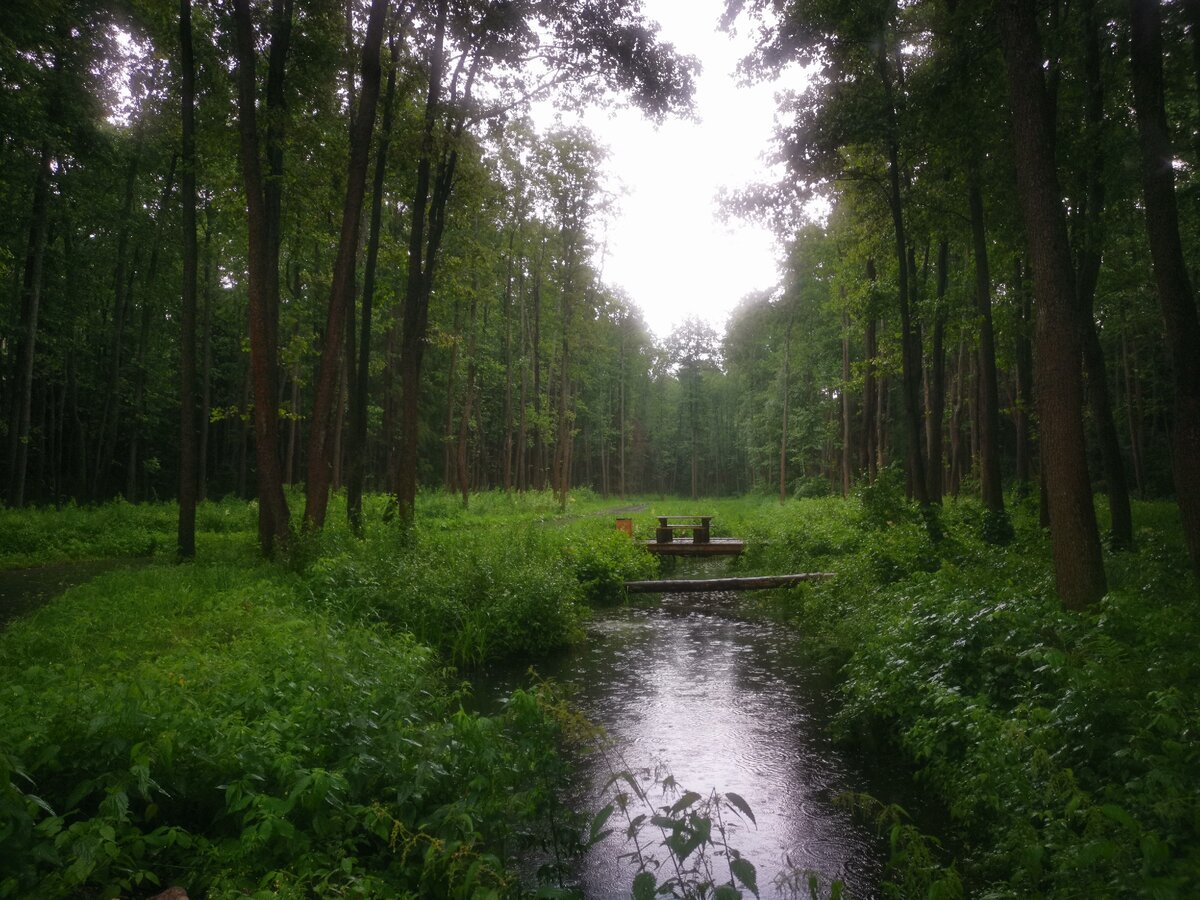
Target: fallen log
(752, 583)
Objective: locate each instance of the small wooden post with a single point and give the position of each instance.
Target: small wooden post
(625, 525)
(663, 534)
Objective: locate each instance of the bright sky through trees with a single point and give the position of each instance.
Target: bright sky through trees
(665, 244)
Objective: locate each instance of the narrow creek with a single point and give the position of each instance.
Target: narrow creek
(690, 689)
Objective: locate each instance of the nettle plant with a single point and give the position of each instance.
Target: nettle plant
(692, 831)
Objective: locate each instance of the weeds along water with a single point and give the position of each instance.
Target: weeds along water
(297, 728)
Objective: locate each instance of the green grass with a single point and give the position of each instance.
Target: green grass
(207, 726)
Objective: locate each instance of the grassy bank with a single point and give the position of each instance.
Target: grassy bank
(290, 729)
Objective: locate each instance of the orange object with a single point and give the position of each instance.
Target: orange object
(625, 525)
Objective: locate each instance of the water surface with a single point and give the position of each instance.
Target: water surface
(719, 703)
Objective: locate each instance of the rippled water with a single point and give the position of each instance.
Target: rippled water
(719, 704)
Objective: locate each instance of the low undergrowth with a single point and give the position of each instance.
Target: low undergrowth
(205, 726)
(292, 729)
(1063, 745)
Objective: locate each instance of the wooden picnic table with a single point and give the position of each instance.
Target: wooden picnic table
(699, 526)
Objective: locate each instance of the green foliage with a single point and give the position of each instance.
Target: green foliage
(204, 725)
(481, 592)
(1062, 745)
(693, 832)
(116, 530)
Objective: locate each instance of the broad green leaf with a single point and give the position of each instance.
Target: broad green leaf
(598, 821)
(1118, 815)
(688, 799)
(743, 870)
(740, 804)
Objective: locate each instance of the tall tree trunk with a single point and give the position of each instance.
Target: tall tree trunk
(428, 216)
(1133, 409)
(1087, 275)
(783, 434)
(1024, 373)
(31, 295)
(847, 447)
(937, 379)
(870, 386)
(464, 423)
(539, 433)
(362, 380)
(522, 462)
(910, 351)
(341, 296)
(621, 407)
(121, 282)
(506, 415)
(137, 421)
(1170, 269)
(206, 377)
(991, 488)
(274, 527)
(1075, 541)
(186, 537)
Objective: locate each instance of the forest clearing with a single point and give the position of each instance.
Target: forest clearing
(246, 728)
(335, 335)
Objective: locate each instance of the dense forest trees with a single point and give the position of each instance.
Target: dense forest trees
(333, 230)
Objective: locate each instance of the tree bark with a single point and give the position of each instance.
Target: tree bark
(362, 382)
(1024, 374)
(909, 346)
(464, 424)
(31, 295)
(206, 376)
(991, 488)
(1075, 542)
(1170, 268)
(847, 445)
(186, 538)
(428, 211)
(783, 433)
(870, 387)
(1091, 216)
(342, 293)
(121, 281)
(937, 379)
(274, 526)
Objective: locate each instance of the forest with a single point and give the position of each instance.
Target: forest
(315, 396)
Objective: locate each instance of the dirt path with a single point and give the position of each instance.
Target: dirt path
(619, 510)
(24, 590)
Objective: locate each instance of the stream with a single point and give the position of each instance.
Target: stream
(690, 689)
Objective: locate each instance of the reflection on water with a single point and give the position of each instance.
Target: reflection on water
(719, 704)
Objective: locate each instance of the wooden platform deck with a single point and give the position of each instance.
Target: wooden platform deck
(745, 583)
(712, 547)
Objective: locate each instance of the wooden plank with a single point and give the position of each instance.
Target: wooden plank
(752, 583)
(713, 547)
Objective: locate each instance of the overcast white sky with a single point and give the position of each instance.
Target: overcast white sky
(665, 246)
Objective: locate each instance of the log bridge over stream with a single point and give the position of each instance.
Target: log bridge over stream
(703, 544)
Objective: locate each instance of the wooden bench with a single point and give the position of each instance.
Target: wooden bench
(699, 526)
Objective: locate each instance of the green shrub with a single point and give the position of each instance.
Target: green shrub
(199, 725)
